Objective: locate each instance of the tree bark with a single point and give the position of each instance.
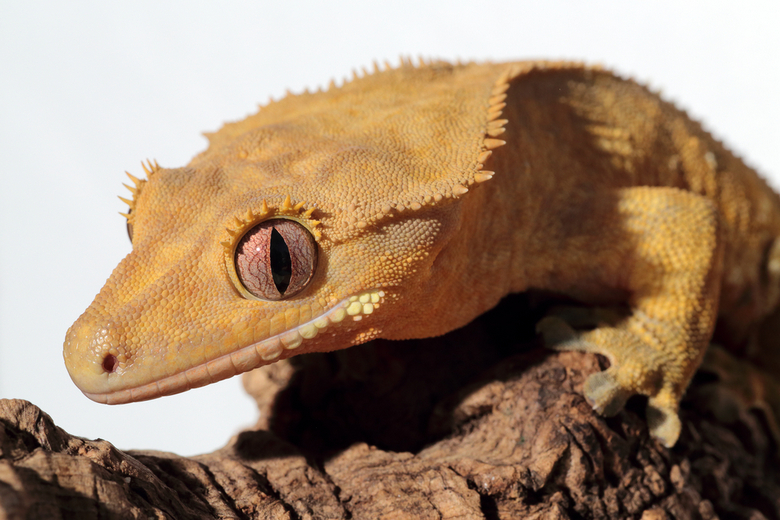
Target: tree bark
(482, 423)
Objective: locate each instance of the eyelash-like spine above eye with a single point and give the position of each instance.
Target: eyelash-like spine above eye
(150, 169)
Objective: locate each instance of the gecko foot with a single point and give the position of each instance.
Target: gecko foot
(605, 394)
(635, 369)
(662, 419)
(602, 389)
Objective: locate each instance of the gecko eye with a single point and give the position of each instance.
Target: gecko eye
(276, 259)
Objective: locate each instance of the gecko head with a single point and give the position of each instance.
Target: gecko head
(300, 229)
(207, 293)
(221, 281)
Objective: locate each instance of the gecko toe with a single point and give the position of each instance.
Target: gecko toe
(605, 394)
(559, 335)
(555, 332)
(663, 422)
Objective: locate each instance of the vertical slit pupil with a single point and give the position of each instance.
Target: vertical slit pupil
(281, 264)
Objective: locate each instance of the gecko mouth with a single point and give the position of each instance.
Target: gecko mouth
(247, 358)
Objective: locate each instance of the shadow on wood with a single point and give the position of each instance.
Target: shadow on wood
(480, 423)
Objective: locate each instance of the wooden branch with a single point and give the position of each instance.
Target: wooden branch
(480, 423)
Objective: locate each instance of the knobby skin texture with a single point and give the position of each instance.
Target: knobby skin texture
(601, 192)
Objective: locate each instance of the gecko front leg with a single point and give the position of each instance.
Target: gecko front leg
(671, 270)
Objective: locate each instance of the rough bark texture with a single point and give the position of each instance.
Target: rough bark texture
(481, 423)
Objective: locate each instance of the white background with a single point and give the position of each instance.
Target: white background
(89, 89)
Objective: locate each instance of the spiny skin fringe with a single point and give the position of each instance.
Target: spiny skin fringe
(404, 61)
(150, 167)
(484, 156)
(492, 116)
(251, 219)
(493, 129)
(133, 178)
(497, 123)
(500, 88)
(494, 125)
(492, 144)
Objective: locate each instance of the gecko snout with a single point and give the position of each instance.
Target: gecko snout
(93, 351)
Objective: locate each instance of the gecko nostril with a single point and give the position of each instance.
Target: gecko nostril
(109, 363)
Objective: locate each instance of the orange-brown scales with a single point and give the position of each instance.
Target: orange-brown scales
(372, 210)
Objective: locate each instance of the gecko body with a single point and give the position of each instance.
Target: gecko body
(405, 203)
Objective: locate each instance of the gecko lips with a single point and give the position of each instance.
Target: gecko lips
(107, 378)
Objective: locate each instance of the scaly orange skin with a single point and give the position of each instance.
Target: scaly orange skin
(601, 191)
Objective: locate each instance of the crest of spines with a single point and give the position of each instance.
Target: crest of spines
(494, 127)
(150, 168)
(404, 61)
(251, 218)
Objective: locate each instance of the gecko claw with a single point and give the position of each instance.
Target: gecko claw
(605, 394)
(664, 423)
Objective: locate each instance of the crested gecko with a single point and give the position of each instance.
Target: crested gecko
(410, 200)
